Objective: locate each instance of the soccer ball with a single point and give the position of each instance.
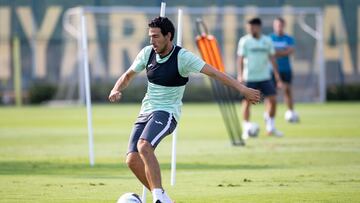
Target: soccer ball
(253, 130)
(291, 117)
(129, 198)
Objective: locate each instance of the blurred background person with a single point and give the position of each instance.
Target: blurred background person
(284, 47)
(255, 52)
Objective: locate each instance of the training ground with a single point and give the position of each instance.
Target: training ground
(44, 156)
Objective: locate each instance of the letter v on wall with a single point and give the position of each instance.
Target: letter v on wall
(5, 43)
(38, 36)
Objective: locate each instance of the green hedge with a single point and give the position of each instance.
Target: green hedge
(44, 91)
(40, 92)
(136, 92)
(343, 92)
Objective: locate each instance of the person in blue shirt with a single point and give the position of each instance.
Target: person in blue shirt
(284, 48)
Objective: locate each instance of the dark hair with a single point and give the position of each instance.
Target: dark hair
(282, 21)
(164, 24)
(255, 21)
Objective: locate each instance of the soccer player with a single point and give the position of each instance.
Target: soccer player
(284, 47)
(167, 68)
(255, 51)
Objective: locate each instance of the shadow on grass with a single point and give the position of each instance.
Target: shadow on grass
(66, 168)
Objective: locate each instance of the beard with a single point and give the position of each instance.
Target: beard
(159, 50)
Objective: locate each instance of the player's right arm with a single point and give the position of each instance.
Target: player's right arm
(251, 95)
(276, 71)
(121, 84)
(241, 52)
(240, 63)
(272, 60)
(124, 80)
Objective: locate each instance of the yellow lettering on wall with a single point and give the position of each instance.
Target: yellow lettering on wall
(69, 58)
(188, 34)
(121, 42)
(96, 60)
(358, 40)
(95, 54)
(5, 43)
(250, 12)
(189, 30)
(300, 66)
(230, 39)
(289, 19)
(333, 21)
(38, 36)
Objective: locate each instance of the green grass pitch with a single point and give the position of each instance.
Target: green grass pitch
(44, 156)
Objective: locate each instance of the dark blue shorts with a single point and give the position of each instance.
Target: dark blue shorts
(285, 77)
(266, 87)
(152, 127)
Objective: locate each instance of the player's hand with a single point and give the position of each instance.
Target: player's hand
(114, 96)
(252, 95)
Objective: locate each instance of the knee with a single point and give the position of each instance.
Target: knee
(287, 89)
(132, 160)
(144, 147)
(272, 99)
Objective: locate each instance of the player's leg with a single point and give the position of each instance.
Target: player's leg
(286, 81)
(152, 168)
(288, 96)
(270, 120)
(270, 105)
(290, 114)
(286, 78)
(268, 89)
(133, 159)
(245, 105)
(136, 164)
(160, 125)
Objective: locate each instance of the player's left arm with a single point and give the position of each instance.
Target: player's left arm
(288, 50)
(285, 52)
(250, 94)
(272, 59)
(275, 71)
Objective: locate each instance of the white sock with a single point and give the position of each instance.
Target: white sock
(166, 198)
(157, 194)
(246, 125)
(266, 116)
(270, 124)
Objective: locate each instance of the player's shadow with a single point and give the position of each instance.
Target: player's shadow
(66, 168)
(211, 166)
(54, 168)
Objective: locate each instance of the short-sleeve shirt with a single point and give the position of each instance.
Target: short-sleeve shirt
(282, 42)
(166, 98)
(256, 52)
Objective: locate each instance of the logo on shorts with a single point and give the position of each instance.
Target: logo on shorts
(150, 65)
(158, 122)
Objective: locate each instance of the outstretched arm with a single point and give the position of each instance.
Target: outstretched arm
(250, 94)
(121, 84)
